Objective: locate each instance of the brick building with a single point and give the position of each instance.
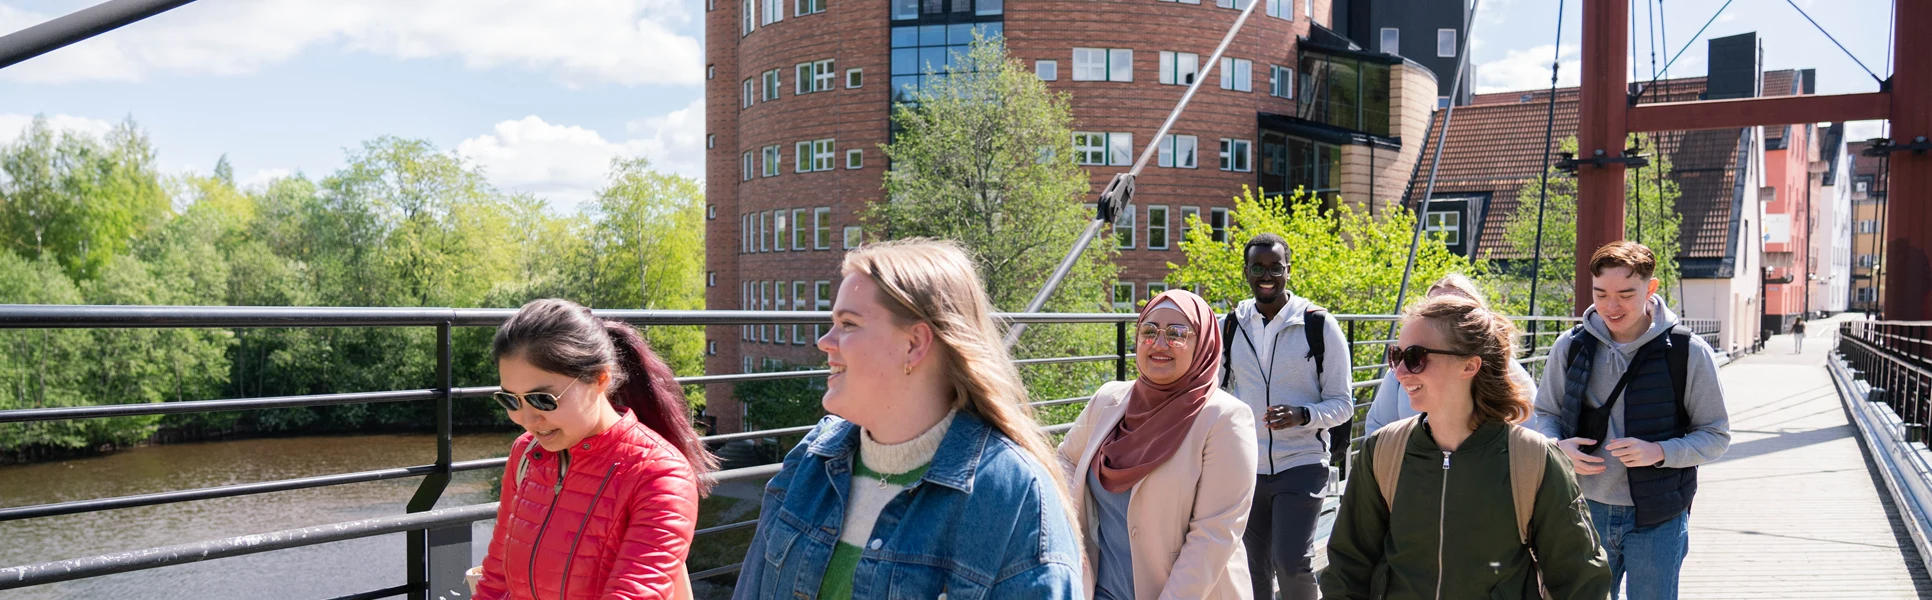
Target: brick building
(800, 92)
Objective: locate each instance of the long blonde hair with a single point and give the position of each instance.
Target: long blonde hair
(1472, 330)
(930, 281)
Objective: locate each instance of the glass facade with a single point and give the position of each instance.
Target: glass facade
(1344, 92)
(931, 35)
(1289, 162)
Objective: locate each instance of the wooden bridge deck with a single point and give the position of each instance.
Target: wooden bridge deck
(1794, 509)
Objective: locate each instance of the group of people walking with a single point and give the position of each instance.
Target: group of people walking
(1203, 477)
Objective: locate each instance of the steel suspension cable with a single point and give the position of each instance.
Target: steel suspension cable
(1120, 190)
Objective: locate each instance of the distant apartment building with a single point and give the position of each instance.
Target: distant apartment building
(799, 101)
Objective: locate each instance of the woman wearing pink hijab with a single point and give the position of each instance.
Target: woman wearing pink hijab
(1162, 467)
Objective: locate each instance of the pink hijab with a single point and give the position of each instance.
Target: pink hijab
(1160, 415)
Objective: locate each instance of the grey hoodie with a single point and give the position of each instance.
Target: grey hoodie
(1710, 426)
(1289, 380)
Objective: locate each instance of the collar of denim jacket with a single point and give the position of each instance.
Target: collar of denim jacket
(954, 465)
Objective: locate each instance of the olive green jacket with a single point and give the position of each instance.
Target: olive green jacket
(1452, 534)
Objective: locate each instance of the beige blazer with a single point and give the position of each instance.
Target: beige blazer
(1185, 519)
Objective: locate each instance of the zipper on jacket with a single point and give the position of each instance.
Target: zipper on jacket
(530, 570)
(564, 592)
(1442, 515)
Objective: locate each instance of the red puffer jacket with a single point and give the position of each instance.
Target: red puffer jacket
(618, 526)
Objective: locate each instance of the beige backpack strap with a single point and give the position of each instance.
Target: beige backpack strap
(1390, 442)
(1528, 456)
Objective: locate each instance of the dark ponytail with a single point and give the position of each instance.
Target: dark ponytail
(562, 337)
(646, 385)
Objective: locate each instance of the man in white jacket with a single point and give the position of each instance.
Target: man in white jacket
(1296, 399)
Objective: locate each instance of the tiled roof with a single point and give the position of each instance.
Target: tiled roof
(1495, 147)
(1861, 164)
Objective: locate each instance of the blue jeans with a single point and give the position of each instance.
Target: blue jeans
(1651, 555)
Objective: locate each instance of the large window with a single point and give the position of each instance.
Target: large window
(1391, 41)
(1868, 226)
(748, 168)
(764, 231)
(800, 297)
(1179, 68)
(779, 223)
(1115, 149)
(1124, 230)
(823, 76)
(810, 7)
(1237, 74)
(1236, 154)
(852, 237)
(1178, 151)
(750, 18)
(1445, 43)
(1124, 296)
(1156, 229)
(1448, 223)
(1281, 81)
(771, 85)
(821, 301)
(1345, 92)
(921, 53)
(774, 11)
(1283, 9)
(916, 9)
(1289, 162)
(822, 228)
(1103, 64)
(1189, 211)
(771, 161)
(1218, 224)
(748, 94)
(1234, 4)
(799, 232)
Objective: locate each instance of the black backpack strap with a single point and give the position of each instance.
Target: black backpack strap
(1314, 328)
(1678, 358)
(1227, 349)
(1577, 338)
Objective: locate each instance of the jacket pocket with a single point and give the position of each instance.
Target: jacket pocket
(911, 581)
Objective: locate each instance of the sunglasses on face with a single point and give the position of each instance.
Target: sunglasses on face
(544, 401)
(1176, 335)
(1260, 271)
(1415, 358)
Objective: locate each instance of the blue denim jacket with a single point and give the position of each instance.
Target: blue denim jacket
(985, 522)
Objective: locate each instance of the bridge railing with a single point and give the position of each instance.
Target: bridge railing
(1883, 373)
(439, 541)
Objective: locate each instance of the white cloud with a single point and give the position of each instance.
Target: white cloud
(1856, 131)
(12, 125)
(567, 164)
(1528, 69)
(262, 177)
(578, 43)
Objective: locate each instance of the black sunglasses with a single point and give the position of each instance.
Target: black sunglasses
(1415, 358)
(544, 401)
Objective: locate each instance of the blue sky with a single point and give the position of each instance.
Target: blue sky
(543, 94)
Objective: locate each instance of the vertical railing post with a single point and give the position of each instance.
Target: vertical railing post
(438, 557)
(1120, 350)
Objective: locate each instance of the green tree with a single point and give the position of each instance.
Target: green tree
(1556, 294)
(77, 198)
(1344, 259)
(650, 229)
(985, 157)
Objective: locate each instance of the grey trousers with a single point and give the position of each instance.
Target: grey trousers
(1281, 528)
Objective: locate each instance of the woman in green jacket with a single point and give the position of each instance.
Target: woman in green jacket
(1453, 531)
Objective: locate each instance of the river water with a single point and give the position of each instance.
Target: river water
(312, 572)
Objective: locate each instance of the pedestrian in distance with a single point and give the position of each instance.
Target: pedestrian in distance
(1162, 467)
(600, 494)
(930, 478)
(1462, 501)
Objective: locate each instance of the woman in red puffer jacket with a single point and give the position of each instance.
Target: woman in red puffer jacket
(600, 495)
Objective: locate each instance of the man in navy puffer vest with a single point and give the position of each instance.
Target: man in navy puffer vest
(1636, 404)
